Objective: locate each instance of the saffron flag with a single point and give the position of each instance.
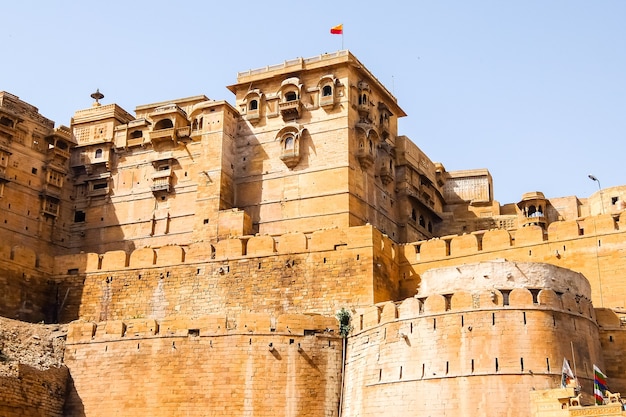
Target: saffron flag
(599, 385)
(337, 30)
(567, 376)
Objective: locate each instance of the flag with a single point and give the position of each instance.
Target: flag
(337, 30)
(567, 376)
(599, 385)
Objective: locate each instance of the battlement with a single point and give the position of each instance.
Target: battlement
(463, 301)
(208, 325)
(227, 249)
(499, 239)
(26, 257)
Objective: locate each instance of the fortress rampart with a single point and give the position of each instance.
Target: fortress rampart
(33, 392)
(294, 273)
(318, 272)
(247, 364)
(25, 288)
(482, 349)
(592, 246)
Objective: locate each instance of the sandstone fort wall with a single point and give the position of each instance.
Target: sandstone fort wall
(593, 247)
(319, 273)
(25, 288)
(449, 355)
(248, 364)
(31, 392)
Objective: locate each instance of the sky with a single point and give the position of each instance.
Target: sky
(534, 91)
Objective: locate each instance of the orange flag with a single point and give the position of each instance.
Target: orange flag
(337, 30)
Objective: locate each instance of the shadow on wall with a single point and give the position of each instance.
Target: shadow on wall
(73, 403)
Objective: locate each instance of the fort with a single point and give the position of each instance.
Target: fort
(190, 260)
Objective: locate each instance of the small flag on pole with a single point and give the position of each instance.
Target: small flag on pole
(567, 376)
(599, 385)
(337, 30)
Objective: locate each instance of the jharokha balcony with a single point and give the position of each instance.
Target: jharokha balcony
(290, 109)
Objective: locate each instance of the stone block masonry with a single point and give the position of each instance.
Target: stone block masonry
(252, 364)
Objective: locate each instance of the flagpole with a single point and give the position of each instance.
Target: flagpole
(574, 360)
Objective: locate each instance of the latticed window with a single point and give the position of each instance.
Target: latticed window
(55, 178)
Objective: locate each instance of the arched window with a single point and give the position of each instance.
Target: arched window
(136, 134)
(327, 91)
(289, 143)
(254, 105)
(164, 124)
(422, 222)
(98, 153)
(413, 215)
(291, 96)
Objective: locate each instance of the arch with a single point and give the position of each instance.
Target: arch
(291, 96)
(136, 134)
(289, 142)
(164, 124)
(98, 153)
(290, 132)
(253, 105)
(327, 91)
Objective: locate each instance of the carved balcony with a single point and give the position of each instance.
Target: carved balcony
(163, 135)
(161, 181)
(365, 157)
(385, 174)
(364, 110)
(290, 157)
(290, 109)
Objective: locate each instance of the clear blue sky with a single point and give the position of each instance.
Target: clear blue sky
(534, 91)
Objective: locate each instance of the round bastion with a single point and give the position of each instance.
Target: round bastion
(502, 274)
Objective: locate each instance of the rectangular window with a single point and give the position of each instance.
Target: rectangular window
(55, 178)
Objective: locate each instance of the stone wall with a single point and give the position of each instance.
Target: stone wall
(26, 292)
(32, 392)
(466, 354)
(294, 273)
(593, 247)
(613, 342)
(217, 365)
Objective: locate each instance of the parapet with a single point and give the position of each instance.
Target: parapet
(26, 257)
(208, 325)
(500, 239)
(226, 249)
(464, 301)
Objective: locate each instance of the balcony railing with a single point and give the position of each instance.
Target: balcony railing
(290, 108)
(54, 151)
(161, 183)
(163, 134)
